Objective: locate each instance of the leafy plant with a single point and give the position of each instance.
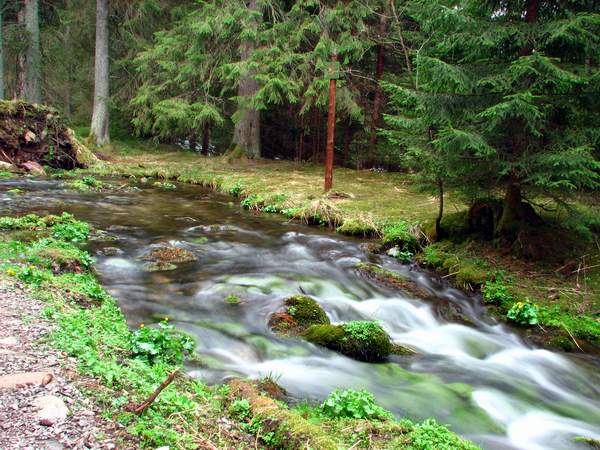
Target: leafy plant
(353, 405)
(232, 300)
(240, 409)
(270, 209)
(253, 201)
(496, 291)
(363, 329)
(160, 344)
(523, 313)
(236, 190)
(72, 231)
(165, 185)
(402, 234)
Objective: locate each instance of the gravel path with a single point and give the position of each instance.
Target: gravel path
(41, 405)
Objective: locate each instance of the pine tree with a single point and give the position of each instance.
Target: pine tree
(503, 98)
(100, 120)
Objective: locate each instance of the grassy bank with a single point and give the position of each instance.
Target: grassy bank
(46, 254)
(565, 302)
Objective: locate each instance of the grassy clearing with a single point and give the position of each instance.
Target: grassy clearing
(45, 254)
(390, 206)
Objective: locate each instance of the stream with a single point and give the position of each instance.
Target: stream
(482, 380)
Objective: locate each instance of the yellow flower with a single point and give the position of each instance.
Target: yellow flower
(11, 272)
(31, 267)
(166, 319)
(141, 325)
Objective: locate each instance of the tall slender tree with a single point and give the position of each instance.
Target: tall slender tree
(100, 119)
(246, 135)
(33, 60)
(1, 50)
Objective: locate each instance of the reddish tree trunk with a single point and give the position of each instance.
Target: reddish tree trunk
(330, 132)
(532, 11)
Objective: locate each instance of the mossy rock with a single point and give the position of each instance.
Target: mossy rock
(173, 255)
(372, 345)
(305, 311)
(399, 349)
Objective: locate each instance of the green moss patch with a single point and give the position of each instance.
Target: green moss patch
(361, 340)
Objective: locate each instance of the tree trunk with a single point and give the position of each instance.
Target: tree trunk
(376, 113)
(205, 138)
(1, 52)
(99, 130)
(33, 60)
(532, 11)
(438, 219)
(67, 47)
(246, 135)
(21, 90)
(330, 131)
(512, 218)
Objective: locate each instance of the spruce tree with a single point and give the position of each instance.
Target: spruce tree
(503, 97)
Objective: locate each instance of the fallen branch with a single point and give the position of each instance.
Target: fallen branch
(574, 340)
(146, 403)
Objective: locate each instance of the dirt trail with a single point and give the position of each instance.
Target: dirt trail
(41, 404)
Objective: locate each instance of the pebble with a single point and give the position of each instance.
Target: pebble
(52, 409)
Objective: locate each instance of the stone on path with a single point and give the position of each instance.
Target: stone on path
(52, 409)
(9, 341)
(15, 380)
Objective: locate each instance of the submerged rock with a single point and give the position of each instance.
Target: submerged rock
(159, 266)
(393, 279)
(173, 255)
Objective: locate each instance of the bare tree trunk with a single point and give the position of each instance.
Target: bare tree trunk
(1, 51)
(205, 138)
(20, 91)
(438, 219)
(376, 113)
(33, 61)
(67, 46)
(246, 135)
(99, 129)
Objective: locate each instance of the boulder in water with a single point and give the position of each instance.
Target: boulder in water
(362, 340)
(172, 255)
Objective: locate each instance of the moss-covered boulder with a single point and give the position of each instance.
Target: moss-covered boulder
(300, 312)
(305, 311)
(361, 340)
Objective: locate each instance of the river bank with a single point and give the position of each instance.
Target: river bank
(389, 206)
(124, 366)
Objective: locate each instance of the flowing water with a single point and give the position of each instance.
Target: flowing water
(482, 379)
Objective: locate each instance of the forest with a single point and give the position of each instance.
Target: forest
(300, 224)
